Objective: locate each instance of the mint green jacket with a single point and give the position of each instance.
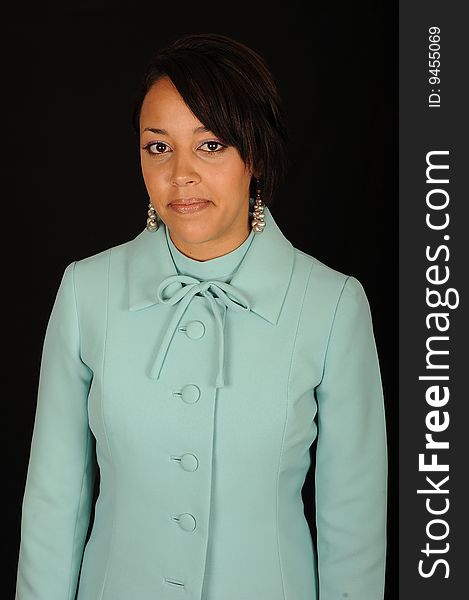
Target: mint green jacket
(201, 402)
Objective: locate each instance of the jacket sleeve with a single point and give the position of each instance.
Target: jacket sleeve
(351, 457)
(59, 485)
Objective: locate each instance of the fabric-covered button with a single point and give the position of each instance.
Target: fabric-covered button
(189, 462)
(190, 393)
(195, 330)
(187, 522)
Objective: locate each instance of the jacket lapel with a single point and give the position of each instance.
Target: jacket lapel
(263, 276)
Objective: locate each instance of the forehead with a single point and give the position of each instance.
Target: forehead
(163, 107)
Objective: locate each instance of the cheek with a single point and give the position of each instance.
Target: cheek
(154, 176)
(230, 178)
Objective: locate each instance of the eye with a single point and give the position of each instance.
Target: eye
(156, 148)
(212, 146)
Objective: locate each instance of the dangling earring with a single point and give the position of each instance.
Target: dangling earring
(152, 221)
(258, 222)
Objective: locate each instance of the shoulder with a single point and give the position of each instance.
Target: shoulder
(319, 270)
(87, 279)
(95, 267)
(328, 285)
(320, 275)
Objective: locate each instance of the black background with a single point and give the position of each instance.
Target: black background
(78, 188)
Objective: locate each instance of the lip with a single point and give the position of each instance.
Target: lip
(186, 201)
(189, 205)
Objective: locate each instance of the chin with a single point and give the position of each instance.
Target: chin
(192, 233)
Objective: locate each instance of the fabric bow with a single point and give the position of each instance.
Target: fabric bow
(220, 295)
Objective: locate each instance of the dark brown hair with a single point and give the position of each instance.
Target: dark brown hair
(230, 89)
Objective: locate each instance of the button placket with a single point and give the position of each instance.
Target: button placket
(189, 394)
(195, 342)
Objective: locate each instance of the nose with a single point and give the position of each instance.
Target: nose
(183, 172)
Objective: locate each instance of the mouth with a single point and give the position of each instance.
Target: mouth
(187, 201)
(189, 205)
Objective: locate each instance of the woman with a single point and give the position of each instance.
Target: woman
(195, 366)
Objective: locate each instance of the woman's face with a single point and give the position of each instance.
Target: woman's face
(198, 186)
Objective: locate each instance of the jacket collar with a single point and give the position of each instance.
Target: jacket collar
(263, 275)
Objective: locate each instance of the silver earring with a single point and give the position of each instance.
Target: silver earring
(152, 221)
(258, 222)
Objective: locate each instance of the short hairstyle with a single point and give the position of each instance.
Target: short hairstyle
(232, 92)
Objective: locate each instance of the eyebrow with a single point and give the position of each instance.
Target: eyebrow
(201, 129)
